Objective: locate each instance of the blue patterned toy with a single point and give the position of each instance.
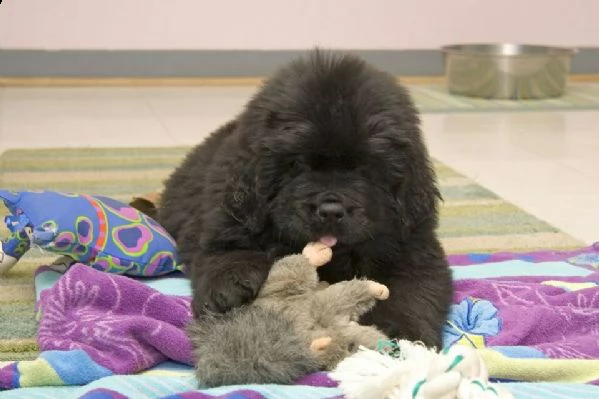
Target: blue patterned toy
(104, 233)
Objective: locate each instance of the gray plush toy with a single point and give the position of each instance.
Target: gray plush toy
(295, 326)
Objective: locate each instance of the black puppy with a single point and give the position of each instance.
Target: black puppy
(328, 149)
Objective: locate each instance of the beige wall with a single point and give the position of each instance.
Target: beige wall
(292, 24)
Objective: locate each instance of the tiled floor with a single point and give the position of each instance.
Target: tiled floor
(546, 162)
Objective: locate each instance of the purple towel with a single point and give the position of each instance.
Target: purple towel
(126, 326)
(558, 316)
(123, 324)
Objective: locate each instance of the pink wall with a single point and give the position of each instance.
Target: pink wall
(259, 24)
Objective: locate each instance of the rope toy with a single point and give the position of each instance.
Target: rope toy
(401, 369)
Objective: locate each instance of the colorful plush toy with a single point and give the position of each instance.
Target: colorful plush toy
(99, 231)
(294, 327)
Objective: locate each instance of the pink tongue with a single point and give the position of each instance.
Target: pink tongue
(328, 241)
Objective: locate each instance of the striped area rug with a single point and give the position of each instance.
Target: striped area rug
(436, 98)
(473, 218)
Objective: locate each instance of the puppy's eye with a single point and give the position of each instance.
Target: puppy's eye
(351, 347)
(295, 165)
(311, 207)
(273, 120)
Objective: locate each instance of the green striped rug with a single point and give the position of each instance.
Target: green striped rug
(473, 218)
(436, 99)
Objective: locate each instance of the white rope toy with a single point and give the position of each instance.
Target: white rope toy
(417, 373)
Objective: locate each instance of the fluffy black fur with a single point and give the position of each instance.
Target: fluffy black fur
(329, 146)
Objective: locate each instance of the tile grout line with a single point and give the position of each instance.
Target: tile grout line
(160, 121)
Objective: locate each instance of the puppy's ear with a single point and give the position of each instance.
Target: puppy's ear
(418, 195)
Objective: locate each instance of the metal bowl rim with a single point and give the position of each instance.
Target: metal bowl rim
(462, 49)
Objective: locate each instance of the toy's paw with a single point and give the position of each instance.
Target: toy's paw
(379, 291)
(318, 254)
(320, 344)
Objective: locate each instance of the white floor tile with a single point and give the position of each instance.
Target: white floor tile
(540, 161)
(74, 117)
(190, 114)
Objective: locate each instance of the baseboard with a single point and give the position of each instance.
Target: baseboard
(209, 67)
(191, 82)
(191, 63)
(169, 82)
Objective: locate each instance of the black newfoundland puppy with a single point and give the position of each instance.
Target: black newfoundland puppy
(328, 149)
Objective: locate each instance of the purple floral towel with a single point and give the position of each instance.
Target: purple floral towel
(123, 324)
(556, 317)
(126, 326)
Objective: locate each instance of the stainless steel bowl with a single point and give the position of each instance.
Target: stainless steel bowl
(507, 71)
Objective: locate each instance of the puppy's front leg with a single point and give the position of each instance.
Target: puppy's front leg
(227, 280)
(416, 309)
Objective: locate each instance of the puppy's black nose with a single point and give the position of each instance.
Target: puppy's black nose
(331, 211)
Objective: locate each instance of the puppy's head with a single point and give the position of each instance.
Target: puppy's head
(337, 152)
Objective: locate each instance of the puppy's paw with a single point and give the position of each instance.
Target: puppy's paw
(318, 254)
(222, 290)
(379, 291)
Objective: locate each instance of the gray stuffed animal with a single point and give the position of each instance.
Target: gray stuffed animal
(295, 326)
